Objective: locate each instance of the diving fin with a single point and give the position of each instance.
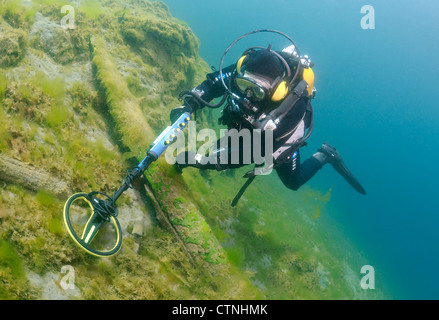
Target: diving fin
(334, 158)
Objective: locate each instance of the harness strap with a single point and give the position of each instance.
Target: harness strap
(278, 114)
(295, 145)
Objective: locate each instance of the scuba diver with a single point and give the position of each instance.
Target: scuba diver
(265, 90)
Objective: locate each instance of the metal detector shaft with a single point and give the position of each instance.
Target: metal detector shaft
(156, 149)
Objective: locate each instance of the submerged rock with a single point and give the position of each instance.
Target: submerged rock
(12, 44)
(63, 45)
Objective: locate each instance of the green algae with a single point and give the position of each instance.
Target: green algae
(123, 106)
(12, 274)
(12, 44)
(45, 198)
(91, 8)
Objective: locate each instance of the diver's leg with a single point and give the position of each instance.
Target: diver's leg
(294, 174)
(328, 154)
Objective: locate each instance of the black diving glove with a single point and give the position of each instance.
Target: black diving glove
(190, 105)
(177, 112)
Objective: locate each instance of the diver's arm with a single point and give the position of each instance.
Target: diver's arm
(213, 85)
(208, 90)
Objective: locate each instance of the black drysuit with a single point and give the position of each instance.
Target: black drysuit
(291, 172)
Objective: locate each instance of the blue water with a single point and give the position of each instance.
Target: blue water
(377, 102)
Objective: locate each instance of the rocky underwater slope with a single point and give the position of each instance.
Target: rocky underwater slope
(79, 107)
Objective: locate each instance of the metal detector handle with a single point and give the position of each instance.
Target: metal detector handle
(166, 138)
(155, 151)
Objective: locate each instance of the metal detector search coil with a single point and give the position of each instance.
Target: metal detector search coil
(92, 227)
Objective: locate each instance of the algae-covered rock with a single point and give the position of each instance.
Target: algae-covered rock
(27, 100)
(166, 44)
(62, 44)
(132, 126)
(12, 44)
(12, 274)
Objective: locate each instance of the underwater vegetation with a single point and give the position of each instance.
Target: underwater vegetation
(81, 106)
